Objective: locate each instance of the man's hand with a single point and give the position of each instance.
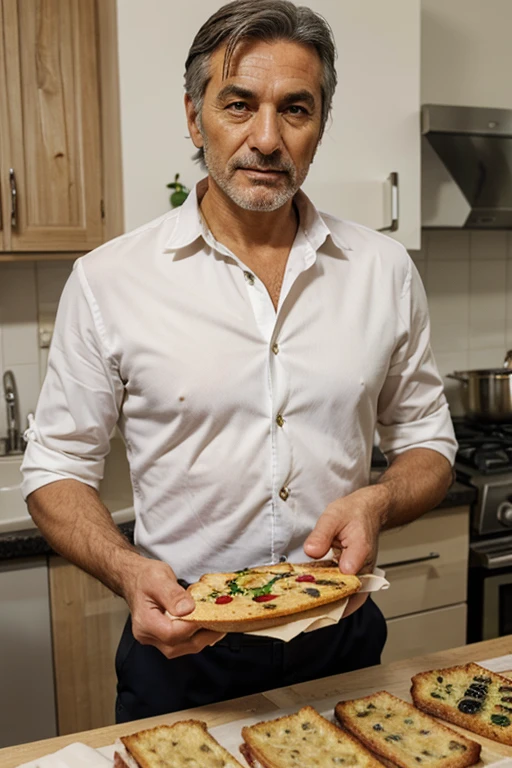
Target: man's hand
(351, 525)
(150, 591)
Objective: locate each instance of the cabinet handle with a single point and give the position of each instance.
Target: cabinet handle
(14, 199)
(393, 178)
(432, 556)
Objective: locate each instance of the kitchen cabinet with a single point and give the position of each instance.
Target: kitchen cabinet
(51, 186)
(375, 129)
(27, 704)
(425, 632)
(87, 622)
(426, 563)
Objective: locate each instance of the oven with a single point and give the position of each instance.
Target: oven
(484, 461)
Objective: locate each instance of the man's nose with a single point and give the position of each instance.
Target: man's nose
(265, 135)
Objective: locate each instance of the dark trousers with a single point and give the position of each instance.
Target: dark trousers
(239, 665)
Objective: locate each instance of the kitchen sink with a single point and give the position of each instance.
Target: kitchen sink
(13, 510)
(115, 490)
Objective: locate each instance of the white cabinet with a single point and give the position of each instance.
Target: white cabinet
(27, 704)
(426, 632)
(426, 563)
(375, 128)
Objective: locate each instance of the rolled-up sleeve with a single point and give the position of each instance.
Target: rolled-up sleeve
(412, 408)
(80, 399)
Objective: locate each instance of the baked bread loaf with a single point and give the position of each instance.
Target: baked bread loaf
(184, 744)
(257, 598)
(397, 731)
(302, 740)
(470, 696)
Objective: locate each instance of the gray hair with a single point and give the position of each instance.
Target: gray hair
(267, 20)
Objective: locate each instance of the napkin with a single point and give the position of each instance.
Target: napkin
(75, 755)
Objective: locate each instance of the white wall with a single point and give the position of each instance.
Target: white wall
(153, 126)
(28, 292)
(468, 280)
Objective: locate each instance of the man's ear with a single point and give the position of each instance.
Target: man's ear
(193, 122)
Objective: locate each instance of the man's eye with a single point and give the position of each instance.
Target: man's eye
(294, 109)
(237, 106)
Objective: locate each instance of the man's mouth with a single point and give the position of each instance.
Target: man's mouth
(264, 171)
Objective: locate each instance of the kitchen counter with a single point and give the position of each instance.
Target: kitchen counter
(394, 678)
(29, 542)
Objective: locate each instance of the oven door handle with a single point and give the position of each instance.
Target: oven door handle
(413, 561)
(491, 561)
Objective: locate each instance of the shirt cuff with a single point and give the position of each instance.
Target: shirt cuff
(434, 431)
(42, 466)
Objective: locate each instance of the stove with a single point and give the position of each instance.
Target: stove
(484, 461)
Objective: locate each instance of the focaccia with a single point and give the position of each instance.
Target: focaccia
(470, 696)
(258, 598)
(182, 745)
(397, 731)
(303, 740)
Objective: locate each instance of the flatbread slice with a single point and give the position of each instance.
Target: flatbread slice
(470, 696)
(397, 731)
(258, 598)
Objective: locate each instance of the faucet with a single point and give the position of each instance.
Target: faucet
(13, 416)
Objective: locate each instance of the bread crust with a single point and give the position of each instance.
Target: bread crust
(253, 735)
(246, 610)
(349, 714)
(462, 675)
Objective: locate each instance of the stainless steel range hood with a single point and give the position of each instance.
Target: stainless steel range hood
(475, 146)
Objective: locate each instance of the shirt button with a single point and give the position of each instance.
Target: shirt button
(279, 420)
(249, 277)
(275, 348)
(284, 493)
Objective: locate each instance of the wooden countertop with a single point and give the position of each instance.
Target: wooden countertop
(394, 677)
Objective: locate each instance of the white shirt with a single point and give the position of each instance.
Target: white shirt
(241, 422)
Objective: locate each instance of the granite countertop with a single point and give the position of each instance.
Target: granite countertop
(29, 543)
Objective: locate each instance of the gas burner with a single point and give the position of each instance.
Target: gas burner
(487, 448)
(487, 457)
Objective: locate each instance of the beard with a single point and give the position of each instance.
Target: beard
(262, 194)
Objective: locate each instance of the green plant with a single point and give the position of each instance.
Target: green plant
(180, 193)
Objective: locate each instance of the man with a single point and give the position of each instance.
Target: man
(247, 347)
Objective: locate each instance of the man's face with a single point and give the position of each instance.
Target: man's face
(260, 126)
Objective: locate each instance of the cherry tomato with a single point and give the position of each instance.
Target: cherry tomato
(223, 599)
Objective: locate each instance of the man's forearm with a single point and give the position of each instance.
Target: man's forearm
(414, 483)
(78, 526)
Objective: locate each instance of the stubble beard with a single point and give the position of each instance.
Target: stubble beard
(262, 195)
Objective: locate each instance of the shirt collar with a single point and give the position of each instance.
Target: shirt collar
(189, 224)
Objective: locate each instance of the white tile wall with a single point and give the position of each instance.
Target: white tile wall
(29, 294)
(468, 280)
(467, 276)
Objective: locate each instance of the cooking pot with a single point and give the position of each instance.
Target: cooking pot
(487, 393)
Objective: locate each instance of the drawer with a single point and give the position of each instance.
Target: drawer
(431, 560)
(425, 633)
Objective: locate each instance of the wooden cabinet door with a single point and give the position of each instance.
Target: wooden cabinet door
(87, 623)
(52, 164)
